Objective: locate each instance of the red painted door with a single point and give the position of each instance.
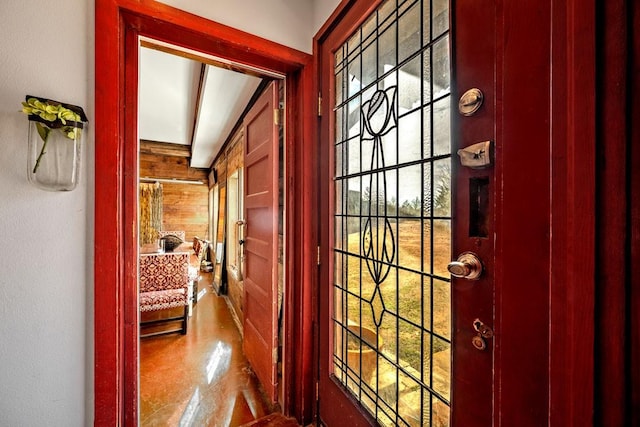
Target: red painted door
(398, 338)
(261, 239)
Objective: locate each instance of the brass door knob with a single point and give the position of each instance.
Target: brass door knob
(467, 266)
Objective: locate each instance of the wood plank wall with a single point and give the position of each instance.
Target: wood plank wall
(185, 206)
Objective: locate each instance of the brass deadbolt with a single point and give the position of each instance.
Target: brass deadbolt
(470, 102)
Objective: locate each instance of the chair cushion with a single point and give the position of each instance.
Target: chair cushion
(160, 300)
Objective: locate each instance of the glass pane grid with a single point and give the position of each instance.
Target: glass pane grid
(393, 217)
(441, 42)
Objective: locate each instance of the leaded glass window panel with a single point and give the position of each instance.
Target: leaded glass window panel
(392, 155)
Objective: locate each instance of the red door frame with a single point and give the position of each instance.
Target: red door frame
(544, 360)
(117, 27)
(633, 212)
(617, 380)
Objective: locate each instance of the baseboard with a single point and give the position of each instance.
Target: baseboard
(234, 315)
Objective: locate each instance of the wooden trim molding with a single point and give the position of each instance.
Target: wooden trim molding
(109, 234)
(573, 206)
(611, 368)
(118, 26)
(633, 284)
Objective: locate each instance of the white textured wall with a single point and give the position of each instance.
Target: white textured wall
(46, 49)
(287, 22)
(46, 250)
(322, 9)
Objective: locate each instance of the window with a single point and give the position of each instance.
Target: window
(213, 213)
(234, 224)
(392, 218)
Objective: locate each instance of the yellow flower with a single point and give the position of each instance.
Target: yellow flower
(65, 114)
(49, 112)
(71, 132)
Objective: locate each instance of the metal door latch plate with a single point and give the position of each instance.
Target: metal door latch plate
(476, 156)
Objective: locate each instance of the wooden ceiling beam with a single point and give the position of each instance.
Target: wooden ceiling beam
(206, 59)
(164, 148)
(196, 113)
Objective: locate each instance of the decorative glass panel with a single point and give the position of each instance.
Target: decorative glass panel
(408, 30)
(392, 311)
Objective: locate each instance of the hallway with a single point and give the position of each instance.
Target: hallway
(202, 378)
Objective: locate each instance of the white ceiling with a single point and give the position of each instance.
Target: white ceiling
(168, 94)
(224, 97)
(168, 86)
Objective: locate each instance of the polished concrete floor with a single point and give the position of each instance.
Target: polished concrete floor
(202, 378)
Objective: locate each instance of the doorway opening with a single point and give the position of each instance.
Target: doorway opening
(119, 27)
(193, 123)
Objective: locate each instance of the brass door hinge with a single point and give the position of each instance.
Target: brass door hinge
(319, 105)
(318, 260)
(277, 116)
(317, 391)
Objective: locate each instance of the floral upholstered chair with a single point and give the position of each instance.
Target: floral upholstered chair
(200, 249)
(164, 284)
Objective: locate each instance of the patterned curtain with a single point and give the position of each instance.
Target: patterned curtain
(150, 212)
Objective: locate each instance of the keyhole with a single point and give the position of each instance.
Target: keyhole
(478, 342)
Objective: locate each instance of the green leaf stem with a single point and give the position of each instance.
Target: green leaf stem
(44, 132)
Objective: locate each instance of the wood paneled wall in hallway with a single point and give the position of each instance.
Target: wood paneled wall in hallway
(185, 206)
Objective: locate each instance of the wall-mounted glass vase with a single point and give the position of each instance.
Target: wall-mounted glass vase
(55, 144)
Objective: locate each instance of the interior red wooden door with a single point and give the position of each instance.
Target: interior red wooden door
(261, 239)
(397, 208)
